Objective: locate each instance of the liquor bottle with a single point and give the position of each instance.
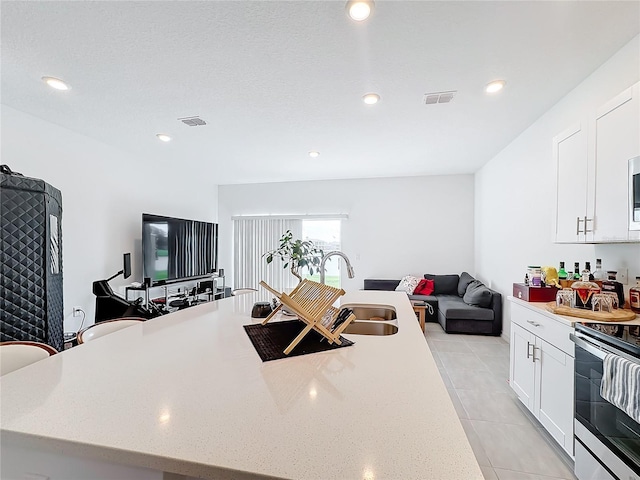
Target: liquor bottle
(613, 286)
(634, 296)
(576, 271)
(562, 273)
(586, 274)
(599, 273)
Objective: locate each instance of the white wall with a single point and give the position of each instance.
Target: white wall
(396, 226)
(514, 201)
(104, 193)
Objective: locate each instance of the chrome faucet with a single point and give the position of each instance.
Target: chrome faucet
(350, 272)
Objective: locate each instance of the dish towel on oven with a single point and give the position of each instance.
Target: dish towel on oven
(621, 384)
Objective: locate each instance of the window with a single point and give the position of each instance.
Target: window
(252, 238)
(255, 236)
(325, 234)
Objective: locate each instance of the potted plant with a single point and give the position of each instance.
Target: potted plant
(296, 254)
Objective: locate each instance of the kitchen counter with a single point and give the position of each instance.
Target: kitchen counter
(186, 393)
(540, 307)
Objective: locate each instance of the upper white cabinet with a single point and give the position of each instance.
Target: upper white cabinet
(591, 162)
(617, 134)
(570, 152)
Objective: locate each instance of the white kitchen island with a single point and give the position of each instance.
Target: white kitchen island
(187, 395)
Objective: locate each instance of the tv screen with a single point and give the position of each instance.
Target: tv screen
(177, 249)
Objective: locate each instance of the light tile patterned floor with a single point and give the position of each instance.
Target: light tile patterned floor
(508, 442)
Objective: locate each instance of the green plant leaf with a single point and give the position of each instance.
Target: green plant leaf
(296, 254)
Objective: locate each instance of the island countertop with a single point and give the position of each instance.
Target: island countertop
(187, 393)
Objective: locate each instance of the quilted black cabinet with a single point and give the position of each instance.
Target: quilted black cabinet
(31, 255)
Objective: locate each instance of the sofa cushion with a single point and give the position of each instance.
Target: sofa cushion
(375, 284)
(463, 283)
(444, 284)
(425, 298)
(408, 284)
(425, 287)
(477, 294)
(452, 307)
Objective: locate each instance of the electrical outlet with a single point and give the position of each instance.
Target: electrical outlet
(623, 276)
(77, 311)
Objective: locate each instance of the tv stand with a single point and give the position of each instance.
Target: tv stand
(193, 292)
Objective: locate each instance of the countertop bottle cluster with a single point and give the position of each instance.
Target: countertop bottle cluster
(607, 280)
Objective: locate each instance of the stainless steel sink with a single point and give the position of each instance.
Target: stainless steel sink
(365, 327)
(372, 312)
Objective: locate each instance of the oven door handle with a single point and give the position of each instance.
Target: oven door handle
(589, 347)
(599, 352)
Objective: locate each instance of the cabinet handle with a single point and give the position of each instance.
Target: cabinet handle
(585, 224)
(535, 324)
(578, 220)
(533, 353)
(528, 351)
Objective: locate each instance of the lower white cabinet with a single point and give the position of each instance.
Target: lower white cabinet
(522, 367)
(541, 371)
(554, 407)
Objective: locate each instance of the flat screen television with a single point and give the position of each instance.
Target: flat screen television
(176, 249)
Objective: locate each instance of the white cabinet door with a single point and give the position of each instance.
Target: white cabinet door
(522, 367)
(570, 156)
(617, 134)
(554, 398)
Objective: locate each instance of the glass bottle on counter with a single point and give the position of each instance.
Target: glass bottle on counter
(562, 273)
(613, 286)
(586, 274)
(576, 271)
(634, 296)
(599, 273)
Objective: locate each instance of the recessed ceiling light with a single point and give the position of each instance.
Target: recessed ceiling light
(359, 10)
(314, 154)
(371, 98)
(56, 83)
(163, 137)
(495, 86)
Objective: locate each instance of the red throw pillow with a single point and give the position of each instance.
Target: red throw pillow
(425, 287)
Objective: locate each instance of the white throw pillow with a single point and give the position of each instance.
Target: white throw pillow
(408, 284)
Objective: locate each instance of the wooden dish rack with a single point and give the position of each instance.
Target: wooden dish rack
(312, 302)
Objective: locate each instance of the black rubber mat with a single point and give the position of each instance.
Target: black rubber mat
(271, 339)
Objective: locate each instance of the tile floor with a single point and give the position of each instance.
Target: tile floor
(508, 442)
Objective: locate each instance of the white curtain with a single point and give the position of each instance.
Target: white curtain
(252, 238)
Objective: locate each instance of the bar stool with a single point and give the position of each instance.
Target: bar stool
(18, 354)
(101, 329)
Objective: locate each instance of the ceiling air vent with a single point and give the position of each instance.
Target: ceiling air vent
(192, 121)
(439, 97)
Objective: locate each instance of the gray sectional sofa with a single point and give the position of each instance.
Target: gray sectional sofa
(461, 304)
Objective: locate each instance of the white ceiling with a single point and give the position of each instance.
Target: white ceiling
(277, 79)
